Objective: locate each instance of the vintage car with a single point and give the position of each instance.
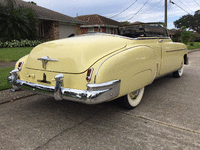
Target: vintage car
(97, 67)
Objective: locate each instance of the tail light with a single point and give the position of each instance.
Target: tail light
(89, 74)
(20, 65)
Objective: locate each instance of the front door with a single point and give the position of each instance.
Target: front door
(170, 56)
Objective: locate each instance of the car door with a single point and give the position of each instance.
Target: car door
(170, 60)
(170, 57)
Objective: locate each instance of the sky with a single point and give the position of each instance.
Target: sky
(152, 11)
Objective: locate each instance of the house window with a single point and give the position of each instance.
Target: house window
(108, 30)
(41, 29)
(90, 29)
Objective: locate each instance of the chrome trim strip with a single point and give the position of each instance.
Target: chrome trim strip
(95, 78)
(176, 50)
(151, 38)
(95, 93)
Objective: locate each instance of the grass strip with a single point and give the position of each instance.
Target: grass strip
(196, 46)
(13, 54)
(4, 73)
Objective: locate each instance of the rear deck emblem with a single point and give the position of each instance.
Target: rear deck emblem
(45, 59)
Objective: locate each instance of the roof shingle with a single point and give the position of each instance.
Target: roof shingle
(98, 20)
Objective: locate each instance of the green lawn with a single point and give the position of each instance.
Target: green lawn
(196, 45)
(13, 54)
(4, 73)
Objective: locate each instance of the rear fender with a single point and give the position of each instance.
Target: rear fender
(135, 66)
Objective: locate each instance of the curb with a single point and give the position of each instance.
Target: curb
(193, 50)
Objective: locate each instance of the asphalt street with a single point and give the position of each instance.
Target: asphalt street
(168, 118)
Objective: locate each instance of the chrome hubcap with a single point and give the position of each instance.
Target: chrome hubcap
(134, 94)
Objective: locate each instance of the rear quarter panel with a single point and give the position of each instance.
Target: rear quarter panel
(135, 66)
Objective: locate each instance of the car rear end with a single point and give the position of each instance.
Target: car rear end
(64, 69)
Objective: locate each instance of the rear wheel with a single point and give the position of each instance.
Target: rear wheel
(179, 73)
(133, 99)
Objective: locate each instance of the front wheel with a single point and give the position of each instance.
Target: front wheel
(179, 73)
(133, 99)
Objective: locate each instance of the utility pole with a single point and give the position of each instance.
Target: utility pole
(166, 13)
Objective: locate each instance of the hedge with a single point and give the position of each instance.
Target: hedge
(22, 43)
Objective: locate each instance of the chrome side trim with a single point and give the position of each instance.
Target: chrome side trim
(95, 93)
(151, 38)
(176, 50)
(95, 78)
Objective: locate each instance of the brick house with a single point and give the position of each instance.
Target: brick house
(97, 23)
(52, 25)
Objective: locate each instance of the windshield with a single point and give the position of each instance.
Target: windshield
(143, 30)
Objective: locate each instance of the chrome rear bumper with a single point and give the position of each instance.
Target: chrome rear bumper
(95, 93)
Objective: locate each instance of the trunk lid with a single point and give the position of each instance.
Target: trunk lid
(73, 55)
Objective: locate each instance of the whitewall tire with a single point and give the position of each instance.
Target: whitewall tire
(179, 73)
(133, 99)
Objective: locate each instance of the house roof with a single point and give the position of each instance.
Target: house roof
(46, 14)
(98, 20)
(172, 31)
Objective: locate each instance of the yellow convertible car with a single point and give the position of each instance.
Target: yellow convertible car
(97, 67)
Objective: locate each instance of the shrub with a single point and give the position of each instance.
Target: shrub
(185, 35)
(17, 21)
(22, 43)
(174, 39)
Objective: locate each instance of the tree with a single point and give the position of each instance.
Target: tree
(185, 35)
(178, 35)
(189, 21)
(32, 2)
(17, 22)
(196, 25)
(125, 22)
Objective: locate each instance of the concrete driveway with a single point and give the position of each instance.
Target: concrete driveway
(167, 118)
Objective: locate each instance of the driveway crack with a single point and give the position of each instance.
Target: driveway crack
(70, 128)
